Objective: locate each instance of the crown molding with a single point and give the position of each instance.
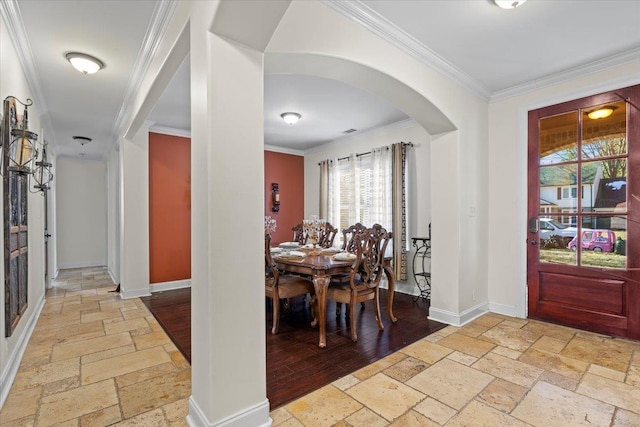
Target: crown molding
(165, 130)
(570, 74)
(373, 21)
(157, 27)
(10, 13)
(283, 150)
(376, 23)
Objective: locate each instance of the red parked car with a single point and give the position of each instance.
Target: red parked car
(596, 240)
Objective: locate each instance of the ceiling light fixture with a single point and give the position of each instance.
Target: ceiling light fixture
(508, 4)
(290, 118)
(84, 63)
(82, 140)
(601, 113)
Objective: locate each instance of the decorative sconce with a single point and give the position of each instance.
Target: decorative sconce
(42, 175)
(21, 149)
(275, 197)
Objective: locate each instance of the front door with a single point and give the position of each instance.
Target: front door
(583, 256)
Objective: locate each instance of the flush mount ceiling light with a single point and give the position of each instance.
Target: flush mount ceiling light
(84, 63)
(508, 4)
(601, 113)
(290, 118)
(82, 140)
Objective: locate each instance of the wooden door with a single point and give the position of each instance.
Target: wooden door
(583, 251)
(15, 190)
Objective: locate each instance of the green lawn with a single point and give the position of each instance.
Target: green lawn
(589, 258)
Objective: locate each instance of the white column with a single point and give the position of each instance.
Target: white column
(134, 215)
(228, 316)
(445, 236)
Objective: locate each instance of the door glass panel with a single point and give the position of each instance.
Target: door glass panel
(558, 189)
(603, 242)
(555, 233)
(604, 185)
(605, 136)
(559, 138)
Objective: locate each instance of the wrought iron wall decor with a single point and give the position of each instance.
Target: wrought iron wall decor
(42, 174)
(18, 150)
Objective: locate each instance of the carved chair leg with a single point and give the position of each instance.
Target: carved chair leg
(352, 321)
(276, 315)
(378, 317)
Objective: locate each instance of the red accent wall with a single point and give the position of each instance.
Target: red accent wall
(288, 171)
(169, 208)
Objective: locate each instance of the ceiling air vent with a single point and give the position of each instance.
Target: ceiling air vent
(349, 131)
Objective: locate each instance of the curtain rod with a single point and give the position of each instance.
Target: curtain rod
(406, 144)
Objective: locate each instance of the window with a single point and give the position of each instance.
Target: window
(361, 191)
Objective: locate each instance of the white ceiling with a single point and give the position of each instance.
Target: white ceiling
(77, 104)
(492, 51)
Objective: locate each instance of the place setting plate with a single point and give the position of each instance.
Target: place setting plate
(344, 256)
(289, 245)
(290, 255)
(331, 250)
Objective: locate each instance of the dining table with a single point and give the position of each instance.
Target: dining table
(321, 265)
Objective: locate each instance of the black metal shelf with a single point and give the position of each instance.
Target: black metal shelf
(422, 268)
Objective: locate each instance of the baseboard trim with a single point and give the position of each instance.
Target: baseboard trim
(66, 265)
(136, 293)
(11, 369)
(168, 286)
(458, 319)
(257, 415)
(507, 310)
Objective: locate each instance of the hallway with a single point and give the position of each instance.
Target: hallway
(97, 360)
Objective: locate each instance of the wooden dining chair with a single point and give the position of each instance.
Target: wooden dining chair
(327, 236)
(279, 287)
(349, 245)
(366, 272)
(348, 234)
(298, 234)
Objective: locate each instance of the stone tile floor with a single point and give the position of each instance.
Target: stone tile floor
(96, 360)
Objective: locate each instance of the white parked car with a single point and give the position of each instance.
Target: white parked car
(550, 227)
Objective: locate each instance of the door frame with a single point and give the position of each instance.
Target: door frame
(560, 96)
(601, 321)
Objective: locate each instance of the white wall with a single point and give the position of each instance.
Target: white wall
(14, 83)
(81, 212)
(419, 180)
(507, 189)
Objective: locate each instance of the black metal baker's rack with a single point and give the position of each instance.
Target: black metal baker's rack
(422, 265)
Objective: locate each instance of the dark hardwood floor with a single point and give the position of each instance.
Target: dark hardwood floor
(295, 363)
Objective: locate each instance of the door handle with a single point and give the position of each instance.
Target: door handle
(533, 241)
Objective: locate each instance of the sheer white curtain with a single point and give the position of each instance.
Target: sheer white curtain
(359, 189)
(334, 193)
(381, 187)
